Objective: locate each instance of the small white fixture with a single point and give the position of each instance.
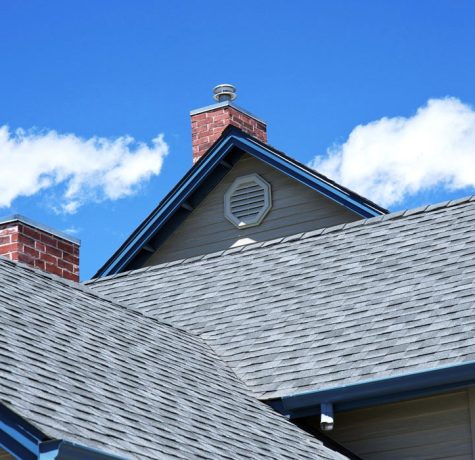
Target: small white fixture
(327, 420)
(247, 201)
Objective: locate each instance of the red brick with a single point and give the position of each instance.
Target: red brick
(33, 233)
(199, 116)
(66, 265)
(70, 258)
(9, 230)
(70, 276)
(48, 258)
(48, 239)
(40, 264)
(52, 268)
(25, 258)
(30, 251)
(26, 240)
(53, 251)
(65, 246)
(40, 246)
(9, 248)
(6, 239)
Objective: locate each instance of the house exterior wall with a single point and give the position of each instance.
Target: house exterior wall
(437, 427)
(295, 208)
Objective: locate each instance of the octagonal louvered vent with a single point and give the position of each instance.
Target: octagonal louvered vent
(247, 201)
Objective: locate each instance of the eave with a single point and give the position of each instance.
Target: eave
(378, 391)
(25, 441)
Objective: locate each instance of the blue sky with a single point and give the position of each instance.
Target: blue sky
(314, 70)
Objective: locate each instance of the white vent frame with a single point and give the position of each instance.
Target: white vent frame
(266, 198)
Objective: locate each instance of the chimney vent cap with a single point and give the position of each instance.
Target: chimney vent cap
(224, 92)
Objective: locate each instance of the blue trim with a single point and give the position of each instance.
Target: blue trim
(305, 177)
(18, 437)
(163, 213)
(25, 442)
(49, 450)
(376, 392)
(66, 450)
(231, 138)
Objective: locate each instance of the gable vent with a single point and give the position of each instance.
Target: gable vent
(247, 201)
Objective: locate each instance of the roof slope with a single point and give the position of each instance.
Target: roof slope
(369, 299)
(85, 369)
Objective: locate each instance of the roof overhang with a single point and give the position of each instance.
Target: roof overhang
(217, 162)
(23, 440)
(377, 392)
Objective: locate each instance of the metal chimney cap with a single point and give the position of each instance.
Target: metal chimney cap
(224, 92)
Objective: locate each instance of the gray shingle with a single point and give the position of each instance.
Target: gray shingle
(329, 308)
(83, 368)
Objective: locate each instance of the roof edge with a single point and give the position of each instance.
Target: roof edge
(63, 449)
(295, 237)
(379, 391)
(226, 104)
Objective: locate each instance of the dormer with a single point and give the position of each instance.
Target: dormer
(240, 190)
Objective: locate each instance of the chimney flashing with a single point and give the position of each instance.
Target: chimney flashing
(219, 105)
(25, 220)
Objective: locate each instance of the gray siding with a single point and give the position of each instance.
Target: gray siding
(296, 208)
(438, 427)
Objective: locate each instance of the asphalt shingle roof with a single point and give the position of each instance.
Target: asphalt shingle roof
(370, 299)
(83, 368)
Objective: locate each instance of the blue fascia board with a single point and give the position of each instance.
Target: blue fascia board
(66, 450)
(25, 442)
(306, 178)
(376, 392)
(169, 208)
(235, 138)
(17, 436)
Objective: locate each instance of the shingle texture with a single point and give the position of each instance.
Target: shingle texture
(375, 298)
(83, 368)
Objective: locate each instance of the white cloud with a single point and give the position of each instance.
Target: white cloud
(92, 169)
(72, 230)
(393, 158)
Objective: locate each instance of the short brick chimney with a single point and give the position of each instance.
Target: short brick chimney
(42, 247)
(208, 123)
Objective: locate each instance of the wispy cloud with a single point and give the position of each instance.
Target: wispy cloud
(72, 230)
(391, 159)
(92, 169)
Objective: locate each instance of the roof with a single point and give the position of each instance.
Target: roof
(84, 368)
(370, 299)
(202, 178)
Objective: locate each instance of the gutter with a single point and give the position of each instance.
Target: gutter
(66, 450)
(24, 441)
(375, 392)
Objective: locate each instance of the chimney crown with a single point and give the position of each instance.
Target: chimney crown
(39, 246)
(208, 123)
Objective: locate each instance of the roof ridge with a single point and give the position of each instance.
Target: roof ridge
(295, 237)
(82, 287)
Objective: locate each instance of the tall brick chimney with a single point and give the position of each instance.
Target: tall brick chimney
(42, 247)
(209, 122)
